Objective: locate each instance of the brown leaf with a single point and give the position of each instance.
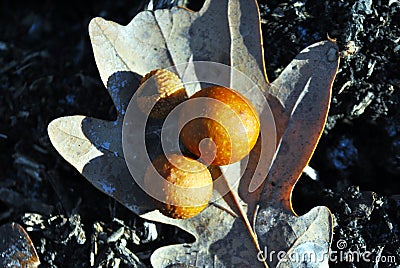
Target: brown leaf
(304, 88)
(226, 32)
(16, 248)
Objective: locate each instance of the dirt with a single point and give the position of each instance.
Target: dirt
(47, 70)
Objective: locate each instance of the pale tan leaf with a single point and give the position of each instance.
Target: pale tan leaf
(121, 53)
(221, 241)
(94, 148)
(298, 237)
(247, 51)
(304, 88)
(68, 138)
(226, 32)
(316, 61)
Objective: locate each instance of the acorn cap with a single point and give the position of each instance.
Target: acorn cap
(165, 89)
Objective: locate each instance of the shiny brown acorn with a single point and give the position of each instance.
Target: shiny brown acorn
(164, 89)
(181, 186)
(221, 127)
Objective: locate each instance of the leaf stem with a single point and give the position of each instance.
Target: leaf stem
(246, 220)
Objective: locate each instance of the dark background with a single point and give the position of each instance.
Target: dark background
(47, 70)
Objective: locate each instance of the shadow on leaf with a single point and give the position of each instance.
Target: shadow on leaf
(109, 172)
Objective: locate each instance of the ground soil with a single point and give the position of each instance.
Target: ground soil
(47, 70)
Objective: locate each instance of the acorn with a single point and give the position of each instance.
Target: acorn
(180, 186)
(219, 125)
(164, 89)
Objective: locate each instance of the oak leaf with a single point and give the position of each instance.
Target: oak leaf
(16, 247)
(256, 213)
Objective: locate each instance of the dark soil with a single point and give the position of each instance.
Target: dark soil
(47, 70)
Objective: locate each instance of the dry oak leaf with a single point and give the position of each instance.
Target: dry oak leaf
(226, 32)
(16, 247)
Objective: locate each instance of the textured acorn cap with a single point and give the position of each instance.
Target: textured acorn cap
(181, 186)
(165, 89)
